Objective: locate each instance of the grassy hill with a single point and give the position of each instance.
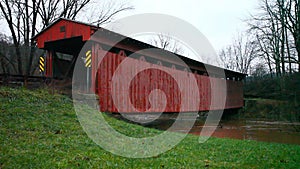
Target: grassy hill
(40, 130)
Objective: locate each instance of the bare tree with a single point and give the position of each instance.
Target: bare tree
(166, 42)
(49, 10)
(113, 8)
(5, 60)
(276, 33)
(267, 27)
(25, 18)
(293, 23)
(227, 59)
(239, 55)
(259, 70)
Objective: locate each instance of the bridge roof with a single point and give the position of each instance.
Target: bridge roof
(69, 36)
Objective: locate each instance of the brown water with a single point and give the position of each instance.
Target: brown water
(253, 129)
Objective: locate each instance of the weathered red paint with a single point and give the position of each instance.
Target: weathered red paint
(144, 82)
(49, 70)
(64, 29)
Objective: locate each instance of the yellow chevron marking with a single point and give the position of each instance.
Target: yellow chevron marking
(88, 63)
(42, 63)
(88, 53)
(88, 60)
(41, 68)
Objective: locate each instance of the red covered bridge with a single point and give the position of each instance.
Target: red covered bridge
(64, 39)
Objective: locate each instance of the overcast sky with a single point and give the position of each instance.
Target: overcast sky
(218, 20)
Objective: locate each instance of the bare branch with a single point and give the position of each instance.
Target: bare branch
(109, 11)
(167, 43)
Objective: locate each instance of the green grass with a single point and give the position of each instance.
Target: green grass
(39, 130)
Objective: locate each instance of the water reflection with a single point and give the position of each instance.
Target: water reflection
(244, 129)
(250, 129)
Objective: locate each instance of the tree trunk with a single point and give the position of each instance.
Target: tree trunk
(19, 60)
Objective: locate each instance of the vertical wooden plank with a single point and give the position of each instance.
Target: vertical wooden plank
(49, 62)
(93, 67)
